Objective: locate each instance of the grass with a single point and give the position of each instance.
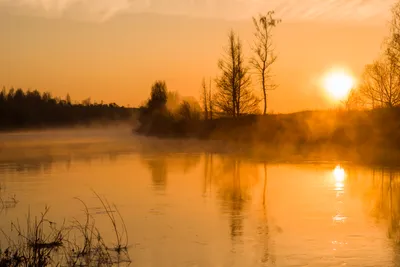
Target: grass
(6, 202)
(78, 243)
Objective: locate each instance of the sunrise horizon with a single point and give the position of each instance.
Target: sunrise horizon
(107, 56)
(199, 133)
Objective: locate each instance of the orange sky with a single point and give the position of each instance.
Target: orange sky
(114, 50)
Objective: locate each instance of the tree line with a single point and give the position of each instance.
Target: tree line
(19, 109)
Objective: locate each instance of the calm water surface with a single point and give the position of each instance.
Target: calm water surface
(186, 207)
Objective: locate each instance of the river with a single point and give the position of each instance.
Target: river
(185, 204)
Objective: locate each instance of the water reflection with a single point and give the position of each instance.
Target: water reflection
(234, 181)
(208, 174)
(161, 164)
(339, 176)
(158, 168)
(263, 227)
(31, 166)
(379, 189)
(222, 210)
(384, 199)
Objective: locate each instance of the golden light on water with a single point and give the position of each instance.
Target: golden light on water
(339, 175)
(338, 83)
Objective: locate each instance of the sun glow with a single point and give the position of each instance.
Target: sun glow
(338, 84)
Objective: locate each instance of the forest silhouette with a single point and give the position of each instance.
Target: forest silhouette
(32, 109)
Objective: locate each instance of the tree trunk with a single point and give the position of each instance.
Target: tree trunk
(265, 93)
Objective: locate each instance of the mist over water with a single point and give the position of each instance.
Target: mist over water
(185, 205)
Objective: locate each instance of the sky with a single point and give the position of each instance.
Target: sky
(113, 50)
(227, 9)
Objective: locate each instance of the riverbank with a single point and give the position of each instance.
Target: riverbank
(370, 136)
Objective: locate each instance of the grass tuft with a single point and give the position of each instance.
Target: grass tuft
(79, 243)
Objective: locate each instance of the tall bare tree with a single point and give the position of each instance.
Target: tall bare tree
(206, 97)
(264, 56)
(210, 101)
(392, 43)
(234, 95)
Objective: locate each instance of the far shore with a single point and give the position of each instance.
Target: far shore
(365, 136)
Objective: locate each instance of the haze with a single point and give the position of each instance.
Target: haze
(114, 50)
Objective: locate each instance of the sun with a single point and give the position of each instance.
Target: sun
(338, 84)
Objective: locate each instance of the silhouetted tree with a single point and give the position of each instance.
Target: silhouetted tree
(234, 95)
(392, 43)
(158, 96)
(207, 100)
(154, 117)
(10, 95)
(210, 101)
(381, 84)
(189, 111)
(68, 99)
(264, 55)
(354, 100)
(204, 98)
(3, 95)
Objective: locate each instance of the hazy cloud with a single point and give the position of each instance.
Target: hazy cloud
(228, 9)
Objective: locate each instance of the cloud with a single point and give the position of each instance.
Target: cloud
(227, 9)
(80, 9)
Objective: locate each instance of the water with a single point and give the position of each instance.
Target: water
(187, 207)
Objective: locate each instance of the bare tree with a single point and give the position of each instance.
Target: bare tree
(392, 43)
(210, 101)
(381, 84)
(264, 55)
(234, 95)
(206, 98)
(354, 100)
(227, 82)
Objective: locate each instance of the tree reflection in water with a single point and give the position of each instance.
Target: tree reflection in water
(160, 164)
(381, 198)
(158, 167)
(234, 180)
(386, 200)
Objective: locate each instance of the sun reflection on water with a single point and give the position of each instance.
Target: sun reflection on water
(339, 175)
(339, 218)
